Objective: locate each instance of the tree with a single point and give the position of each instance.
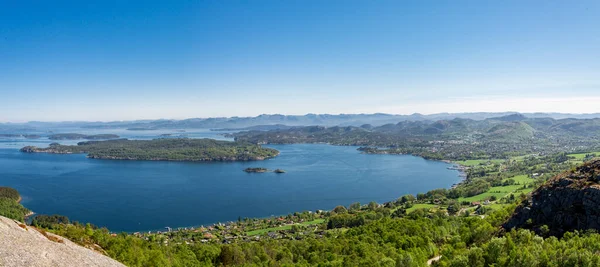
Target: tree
(399, 213)
(354, 206)
(12, 209)
(340, 210)
(453, 208)
(407, 198)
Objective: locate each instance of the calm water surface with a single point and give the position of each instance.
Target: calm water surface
(139, 196)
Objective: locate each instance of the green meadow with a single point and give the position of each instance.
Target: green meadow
(284, 227)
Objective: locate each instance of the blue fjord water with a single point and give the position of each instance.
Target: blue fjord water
(140, 196)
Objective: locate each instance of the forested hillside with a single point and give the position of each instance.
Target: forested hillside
(9, 204)
(457, 139)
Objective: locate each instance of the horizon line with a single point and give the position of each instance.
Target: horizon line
(319, 114)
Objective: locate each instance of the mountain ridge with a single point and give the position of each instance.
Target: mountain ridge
(375, 119)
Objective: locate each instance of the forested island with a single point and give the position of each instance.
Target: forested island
(75, 136)
(180, 149)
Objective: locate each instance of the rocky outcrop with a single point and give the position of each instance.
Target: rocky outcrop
(30, 149)
(22, 245)
(256, 170)
(570, 201)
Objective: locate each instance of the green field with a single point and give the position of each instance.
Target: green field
(522, 179)
(502, 191)
(577, 158)
(520, 158)
(496, 206)
(420, 206)
(475, 162)
(581, 156)
(285, 227)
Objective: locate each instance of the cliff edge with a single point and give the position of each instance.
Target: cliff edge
(569, 201)
(22, 245)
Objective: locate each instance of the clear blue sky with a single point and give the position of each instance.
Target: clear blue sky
(122, 60)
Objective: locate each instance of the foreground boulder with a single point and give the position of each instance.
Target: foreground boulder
(22, 245)
(569, 201)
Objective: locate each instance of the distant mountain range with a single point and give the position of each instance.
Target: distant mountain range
(282, 121)
(515, 127)
(456, 139)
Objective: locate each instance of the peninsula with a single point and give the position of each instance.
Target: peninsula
(180, 149)
(28, 136)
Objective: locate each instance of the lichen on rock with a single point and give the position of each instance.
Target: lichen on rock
(567, 202)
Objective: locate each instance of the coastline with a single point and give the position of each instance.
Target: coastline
(354, 151)
(462, 172)
(462, 169)
(30, 213)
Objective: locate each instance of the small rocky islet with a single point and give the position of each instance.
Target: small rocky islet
(262, 170)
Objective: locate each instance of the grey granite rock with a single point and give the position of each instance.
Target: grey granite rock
(570, 201)
(24, 246)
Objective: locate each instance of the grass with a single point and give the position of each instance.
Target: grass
(475, 162)
(496, 206)
(420, 206)
(498, 191)
(581, 156)
(49, 236)
(522, 158)
(502, 191)
(522, 179)
(284, 227)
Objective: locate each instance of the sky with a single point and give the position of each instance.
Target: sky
(124, 60)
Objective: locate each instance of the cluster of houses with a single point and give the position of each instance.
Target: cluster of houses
(477, 203)
(230, 232)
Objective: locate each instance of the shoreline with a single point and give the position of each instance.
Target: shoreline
(462, 172)
(462, 169)
(30, 213)
(461, 176)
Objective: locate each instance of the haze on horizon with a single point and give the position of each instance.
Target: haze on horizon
(106, 61)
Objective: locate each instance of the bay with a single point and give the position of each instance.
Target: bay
(140, 196)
